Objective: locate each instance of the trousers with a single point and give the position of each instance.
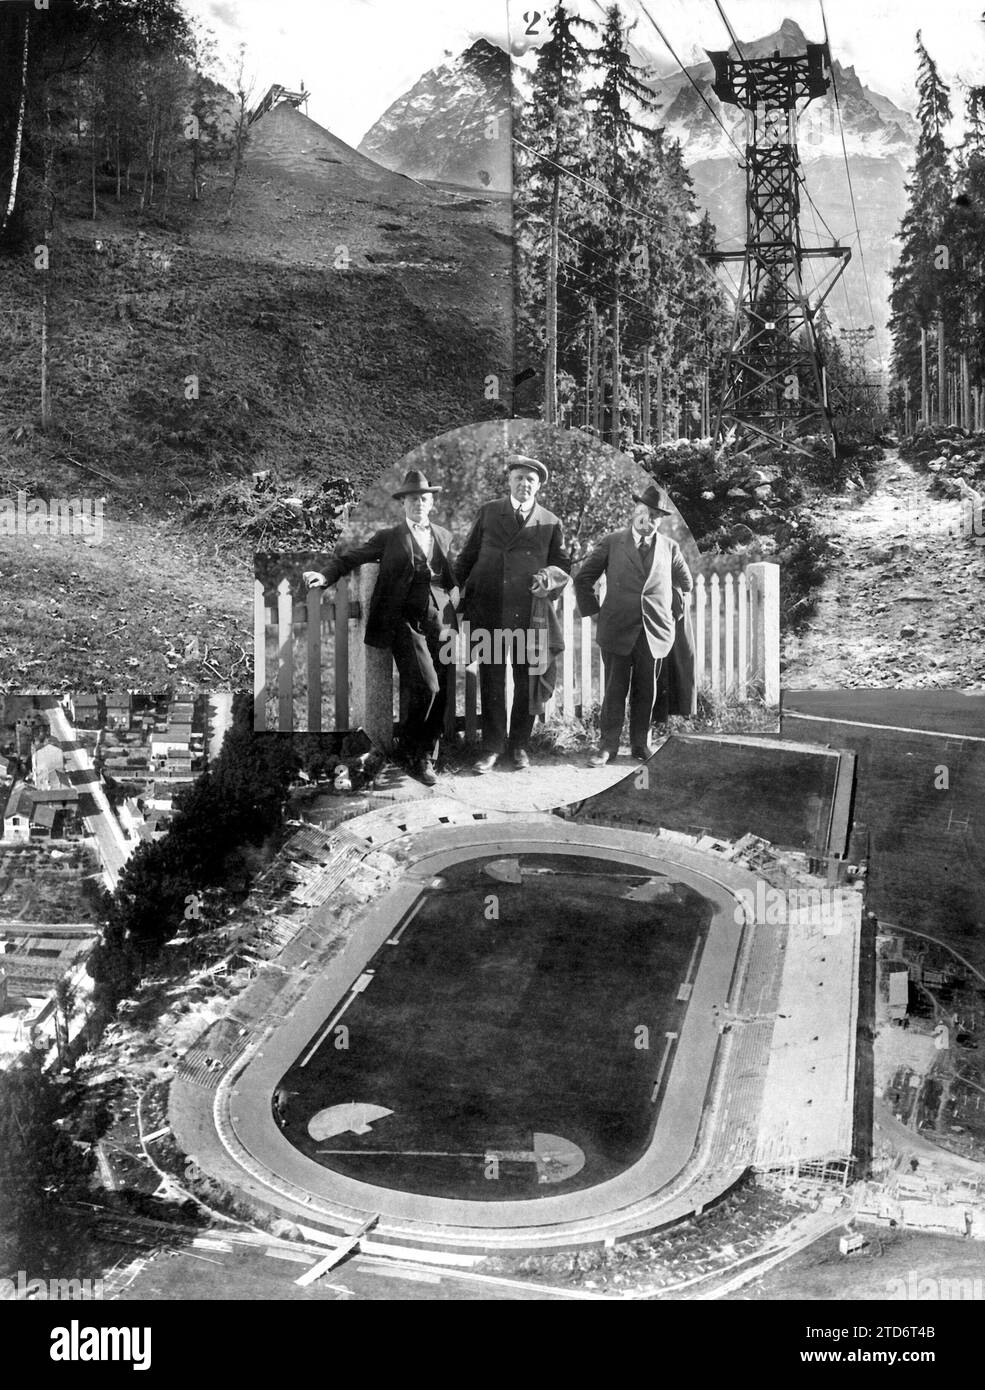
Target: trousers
(498, 732)
(416, 654)
(634, 676)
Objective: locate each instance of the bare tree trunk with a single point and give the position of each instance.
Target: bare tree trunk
(167, 178)
(550, 355)
(117, 161)
(196, 156)
(941, 375)
(152, 145)
(924, 401)
(19, 133)
(45, 402)
(645, 422)
(615, 416)
(49, 159)
(242, 122)
(589, 375)
(597, 374)
(660, 402)
(92, 164)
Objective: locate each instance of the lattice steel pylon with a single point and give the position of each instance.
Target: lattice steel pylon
(861, 394)
(775, 387)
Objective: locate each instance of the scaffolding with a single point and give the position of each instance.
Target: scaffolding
(276, 96)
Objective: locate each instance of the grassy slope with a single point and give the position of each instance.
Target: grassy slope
(305, 369)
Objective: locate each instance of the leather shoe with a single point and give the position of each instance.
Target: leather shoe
(600, 758)
(426, 772)
(643, 754)
(485, 763)
(521, 759)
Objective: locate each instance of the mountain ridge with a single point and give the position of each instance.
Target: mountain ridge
(452, 125)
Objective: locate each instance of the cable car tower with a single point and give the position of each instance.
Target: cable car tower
(775, 387)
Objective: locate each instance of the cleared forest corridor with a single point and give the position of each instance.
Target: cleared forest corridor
(904, 603)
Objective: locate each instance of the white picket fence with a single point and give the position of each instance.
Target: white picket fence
(315, 650)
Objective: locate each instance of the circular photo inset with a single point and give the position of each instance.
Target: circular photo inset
(515, 614)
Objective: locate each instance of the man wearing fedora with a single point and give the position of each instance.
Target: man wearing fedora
(646, 578)
(412, 608)
(510, 541)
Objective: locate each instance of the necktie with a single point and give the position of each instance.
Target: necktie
(519, 518)
(646, 552)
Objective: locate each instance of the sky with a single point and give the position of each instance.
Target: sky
(358, 56)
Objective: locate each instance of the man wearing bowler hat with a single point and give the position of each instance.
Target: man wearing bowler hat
(646, 579)
(412, 609)
(511, 540)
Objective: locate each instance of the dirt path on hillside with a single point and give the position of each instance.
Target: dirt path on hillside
(144, 609)
(904, 604)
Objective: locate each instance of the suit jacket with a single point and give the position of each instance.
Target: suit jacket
(393, 550)
(634, 598)
(498, 563)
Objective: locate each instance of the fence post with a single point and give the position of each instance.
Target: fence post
(700, 653)
(729, 587)
(371, 668)
(313, 664)
(285, 656)
(764, 592)
(568, 655)
(716, 633)
(585, 688)
(743, 653)
(340, 673)
(259, 658)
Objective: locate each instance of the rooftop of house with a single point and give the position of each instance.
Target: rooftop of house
(24, 799)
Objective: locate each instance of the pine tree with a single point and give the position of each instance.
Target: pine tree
(621, 92)
(39, 1164)
(918, 289)
(556, 125)
(964, 234)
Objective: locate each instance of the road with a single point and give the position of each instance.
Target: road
(113, 846)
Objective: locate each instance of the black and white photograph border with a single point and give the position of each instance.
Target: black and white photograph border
(292, 1009)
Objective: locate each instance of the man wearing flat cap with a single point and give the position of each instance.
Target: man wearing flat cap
(412, 608)
(513, 541)
(646, 578)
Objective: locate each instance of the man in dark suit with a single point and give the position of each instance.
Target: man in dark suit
(411, 611)
(646, 578)
(510, 541)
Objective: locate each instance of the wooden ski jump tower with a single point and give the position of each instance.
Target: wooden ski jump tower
(775, 387)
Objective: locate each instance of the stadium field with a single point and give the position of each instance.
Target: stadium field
(512, 1035)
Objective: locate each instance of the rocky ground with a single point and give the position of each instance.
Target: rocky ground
(902, 605)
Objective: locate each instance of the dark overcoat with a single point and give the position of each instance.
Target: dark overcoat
(498, 563)
(392, 549)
